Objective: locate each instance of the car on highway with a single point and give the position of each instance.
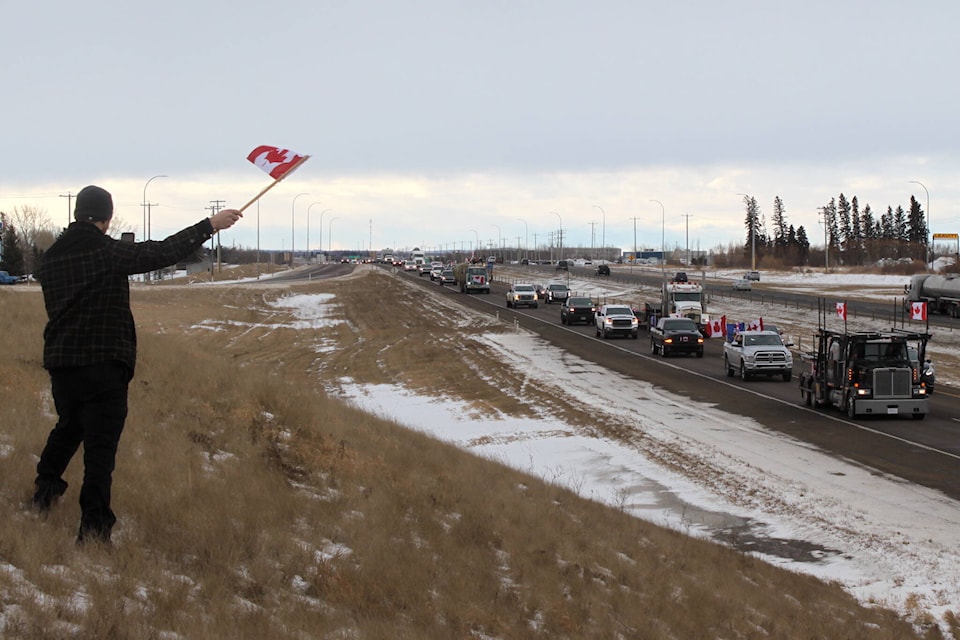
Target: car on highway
(423, 269)
(742, 285)
(436, 270)
(577, 309)
(522, 295)
(447, 277)
(676, 335)
(409, 265)
(616, 320)
(556, 292)
(603, 269)
(752, 275)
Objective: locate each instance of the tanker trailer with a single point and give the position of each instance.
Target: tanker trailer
(941, 293)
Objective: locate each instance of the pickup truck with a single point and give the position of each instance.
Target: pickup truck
(616, 319)
(676, 335)
(757, 353)
(6, 278)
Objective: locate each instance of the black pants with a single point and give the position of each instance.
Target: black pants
(91, 403)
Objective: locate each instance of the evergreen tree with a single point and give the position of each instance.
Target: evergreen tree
(752, 223)
(917, 230)
(780, 231)
(856, 233)
(803, 244)
(12, 261)
(843, 223)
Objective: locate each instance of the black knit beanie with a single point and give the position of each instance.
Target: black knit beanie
(93, 203)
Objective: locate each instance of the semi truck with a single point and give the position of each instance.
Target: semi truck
(472, 278)
(941, 293)
(866, 373)
(684, 300)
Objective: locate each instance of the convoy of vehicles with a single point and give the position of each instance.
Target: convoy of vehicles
(860, 373)
(757, 353)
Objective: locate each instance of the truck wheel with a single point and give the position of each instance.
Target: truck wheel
(534, 305)
(597, 330)
(787, 376)
(744, 374)
(851, 407)
(806, 393)
(663, 350)
(605, 335)
(700, 353)
(653, 347)
(726, 365)
(633, 335)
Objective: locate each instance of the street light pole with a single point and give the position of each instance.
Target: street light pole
(634, 260)
(321, 228)
(929, 229)
(293, 208)
(688, 216)
(499, 240)
(146, 219)
(603, 230)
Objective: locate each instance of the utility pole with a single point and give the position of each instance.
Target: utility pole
(214, 208)
(634, 260)
(688, 216)
(69, 197)
(593, 239)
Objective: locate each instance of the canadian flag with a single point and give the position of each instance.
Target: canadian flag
(717, 328)
(756, 325)
(842, 310)
(275, 161)
(918, 311)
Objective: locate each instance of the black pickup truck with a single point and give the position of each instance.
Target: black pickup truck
(676, 335)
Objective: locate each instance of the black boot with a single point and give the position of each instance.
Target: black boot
(46, 494)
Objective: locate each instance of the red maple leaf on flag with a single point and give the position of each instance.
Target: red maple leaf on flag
(275, 161)
(842, 310)
(918, 311)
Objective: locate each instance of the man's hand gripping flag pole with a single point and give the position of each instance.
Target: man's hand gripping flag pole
(279, 163)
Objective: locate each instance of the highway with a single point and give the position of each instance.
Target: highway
(926, 451)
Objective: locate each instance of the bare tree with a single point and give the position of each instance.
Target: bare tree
(31, 222)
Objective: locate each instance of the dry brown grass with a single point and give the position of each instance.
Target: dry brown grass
(254, 505)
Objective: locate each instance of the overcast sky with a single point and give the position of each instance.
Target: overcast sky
(439, 123)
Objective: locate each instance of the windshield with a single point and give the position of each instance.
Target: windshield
(523, 287)
(580, 302)
(763, 340)
(619, 311)
(557, 287)
(687, 297)
(679, 325)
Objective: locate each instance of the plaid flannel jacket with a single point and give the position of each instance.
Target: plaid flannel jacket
(86, 291)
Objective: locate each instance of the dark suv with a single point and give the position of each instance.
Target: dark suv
(556, 292)
(603, 270)
(577, 310)
(681, 276)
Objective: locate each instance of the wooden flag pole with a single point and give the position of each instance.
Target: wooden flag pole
(274, 183)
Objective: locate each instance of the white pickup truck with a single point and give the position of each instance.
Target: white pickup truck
(757, 353)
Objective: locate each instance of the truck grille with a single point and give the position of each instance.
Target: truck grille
(770, 357)
(892, 383)
(622, 323)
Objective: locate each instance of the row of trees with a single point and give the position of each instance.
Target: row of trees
(851, 236)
